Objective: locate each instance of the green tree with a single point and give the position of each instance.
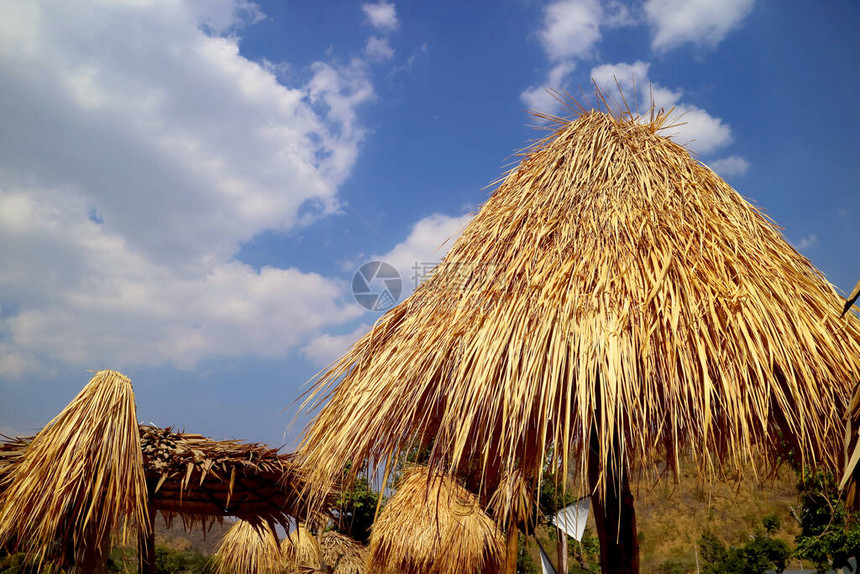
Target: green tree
(356, 509)
(761, 552)
(830, 533)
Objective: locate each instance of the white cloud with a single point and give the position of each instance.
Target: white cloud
(690, 126)
(570, 28)
(324, 349)
(732, 166)
(807, 242)
(427, 243)
(382, 15)
(702, 22)
(138, 157)
(378, 49)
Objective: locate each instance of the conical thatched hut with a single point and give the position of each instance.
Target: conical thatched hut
(342, 554)
(80, 479)
(432, 525)
(615, 301)
(249, 549)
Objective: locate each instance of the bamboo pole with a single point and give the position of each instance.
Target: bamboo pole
(146, 546)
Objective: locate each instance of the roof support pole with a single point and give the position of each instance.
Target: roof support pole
(146, 546)
(614, 513)
(511, 549)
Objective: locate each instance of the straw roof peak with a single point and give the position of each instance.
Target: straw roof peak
(614, 286)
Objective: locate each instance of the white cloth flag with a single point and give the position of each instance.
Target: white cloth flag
(545, 564)
(572, 519)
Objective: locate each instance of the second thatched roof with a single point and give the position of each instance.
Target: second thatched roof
(612, 286)
(432, 525)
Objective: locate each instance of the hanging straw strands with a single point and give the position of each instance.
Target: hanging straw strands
(249, 549)
(613, 285)
(300, 551)
(80, 478)
(342, 554)
(432, 525)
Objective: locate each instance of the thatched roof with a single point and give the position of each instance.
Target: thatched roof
(249, 549)
(432, 525)
(300, 551)
(612, 284)
(342, 554)
(80, 479)
(94, 468)
(198, 476)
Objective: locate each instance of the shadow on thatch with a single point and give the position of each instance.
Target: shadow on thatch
(433, 525)
(342, 554)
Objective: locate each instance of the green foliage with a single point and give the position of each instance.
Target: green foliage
(830, 533)
(170, 561)
(585, 553)
(676, 566)
(525, 563)
(356, 509)
(771, 523)
(761, 552)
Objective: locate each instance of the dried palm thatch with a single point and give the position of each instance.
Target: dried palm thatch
(432, 525)
(199, 477)
(342, 554)
(12, 452)
(248, 548)
(79, 480)
(300, 551)
(612, 287)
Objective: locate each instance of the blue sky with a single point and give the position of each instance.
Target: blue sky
(187, 188)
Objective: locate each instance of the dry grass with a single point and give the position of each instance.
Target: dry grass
(342, 554)
(300, 551)
(611, 284)
(79, 480)
(248, 548)
(432, 525)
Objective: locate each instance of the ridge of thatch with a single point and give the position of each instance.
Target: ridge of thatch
(432, 525)
(248, 548)
(612, 285)
(80, 478)
(198, 477)
(342, 554)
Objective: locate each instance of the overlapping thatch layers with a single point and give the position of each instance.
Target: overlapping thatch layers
(432, 525)
(197, 477)
(342, 554)
(248, 548)
(80, 479)
(614, 300)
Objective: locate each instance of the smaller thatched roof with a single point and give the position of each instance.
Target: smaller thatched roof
(342, 554)
(249, 549)
(198, 476)
(78, 480)
(300, 552)
(432, 525)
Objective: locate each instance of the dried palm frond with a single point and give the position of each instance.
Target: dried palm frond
(342, 554)
(612, 285)
(196, 477)
(80, 479)
(301, 551)
(249, 549)
(432, 525)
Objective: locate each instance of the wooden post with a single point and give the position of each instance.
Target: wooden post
(614, 515)
(146, 546)
(511, 553)
(561, 550)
